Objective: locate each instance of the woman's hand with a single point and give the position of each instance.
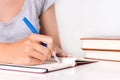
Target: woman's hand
(61, 53)
(28, 51)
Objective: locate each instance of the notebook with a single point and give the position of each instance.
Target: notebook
(49, 66)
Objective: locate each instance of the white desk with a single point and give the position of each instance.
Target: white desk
(102, 70)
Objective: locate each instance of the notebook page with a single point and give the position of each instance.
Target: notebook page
(53, 65)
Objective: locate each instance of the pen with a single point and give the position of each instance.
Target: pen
(32, 28)
(55, 57)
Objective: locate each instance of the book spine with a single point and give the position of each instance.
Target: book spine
(102, 59)
(100, 38)
(112, 50)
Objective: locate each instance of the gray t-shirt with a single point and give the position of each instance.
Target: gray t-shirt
(16, 29)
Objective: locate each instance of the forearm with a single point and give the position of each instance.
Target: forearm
(49, 25)
(4, 53)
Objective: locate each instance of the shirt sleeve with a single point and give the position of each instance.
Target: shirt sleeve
(47, 4)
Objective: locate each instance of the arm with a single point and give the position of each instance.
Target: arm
(49, 27)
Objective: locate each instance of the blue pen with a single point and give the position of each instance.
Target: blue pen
(32, 28)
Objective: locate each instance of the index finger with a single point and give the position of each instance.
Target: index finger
(45, 40)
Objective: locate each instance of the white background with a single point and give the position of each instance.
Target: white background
(86, 18)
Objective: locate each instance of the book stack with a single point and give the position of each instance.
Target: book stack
(101, 48)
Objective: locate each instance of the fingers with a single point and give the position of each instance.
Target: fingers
(64, 55)
(38, 51)
(40, 48)
(40, 56)
(61, 53)
(43, 39)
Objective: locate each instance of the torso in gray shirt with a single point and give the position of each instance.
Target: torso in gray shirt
(16, 29)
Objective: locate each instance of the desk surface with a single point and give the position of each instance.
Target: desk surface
(102, 70)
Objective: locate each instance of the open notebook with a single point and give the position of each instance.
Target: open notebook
(46, 67)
